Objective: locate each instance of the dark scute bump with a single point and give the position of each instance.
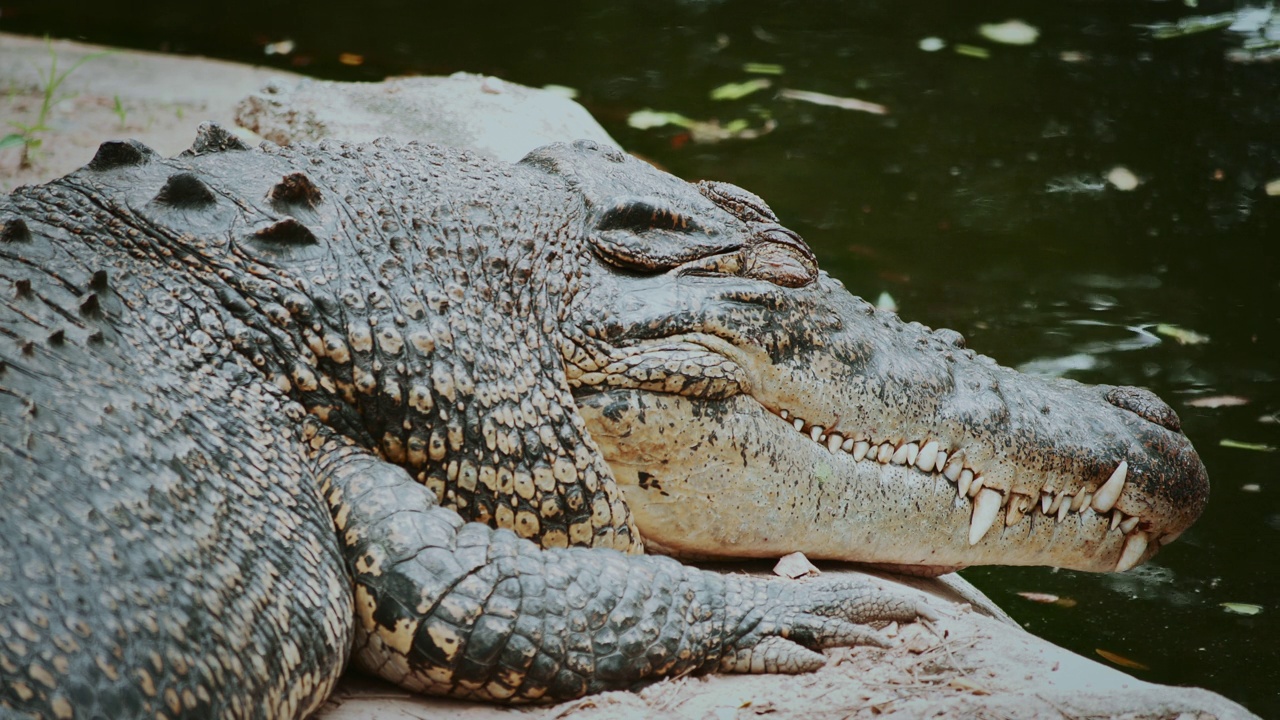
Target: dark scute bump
(286, 232)
(1146, 405)
(120, 153)
(184, 190)
(14, 230)
(212, 137)
(296, 190)
(950, 337)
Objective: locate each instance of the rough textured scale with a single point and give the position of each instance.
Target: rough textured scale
(262, 409)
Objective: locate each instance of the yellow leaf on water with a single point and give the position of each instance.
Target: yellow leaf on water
(1049, 599)
(1120, 660)
(1241, 608)
(1218, 401)
(1182, 336)
(1237, 445)
(972, 51)
(736, 91)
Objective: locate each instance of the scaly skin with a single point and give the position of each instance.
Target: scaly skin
(261, 407)
(206, 364)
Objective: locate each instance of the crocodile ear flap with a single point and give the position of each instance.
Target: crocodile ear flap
(647, 234)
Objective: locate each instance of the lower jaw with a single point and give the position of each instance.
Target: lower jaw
(834, 508)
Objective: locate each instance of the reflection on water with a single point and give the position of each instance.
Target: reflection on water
(989, 199)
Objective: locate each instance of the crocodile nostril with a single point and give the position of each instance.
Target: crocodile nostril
(1146, 405)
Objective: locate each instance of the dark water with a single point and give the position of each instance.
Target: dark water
(978, 203)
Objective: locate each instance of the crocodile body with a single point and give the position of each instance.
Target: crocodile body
(263, 410)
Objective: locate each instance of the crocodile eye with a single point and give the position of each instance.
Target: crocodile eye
(779, 256)
(745, 205)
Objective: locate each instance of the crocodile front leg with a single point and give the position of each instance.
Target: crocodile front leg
(454, 608)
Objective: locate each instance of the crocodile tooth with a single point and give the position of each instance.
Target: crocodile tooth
(963, 480)
(900, 455)
(940, 462)
(974, 486)
(847, 445)
(913, 452)
(1116, 517)
(815, 433)
(885, 453)
(860, 449)
(1079, 501)
(1134, 546)
(1046, 499)
(928, 456)
(986, 508)
(1018, 506)
(785, 414)
(833, 442)
(1106, 497)
(1129, 524)
(798, 424)
(1170, 537)
(954, 466)
(1063, 509)
(1057, 503)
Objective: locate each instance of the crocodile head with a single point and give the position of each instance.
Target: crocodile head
(750, 406)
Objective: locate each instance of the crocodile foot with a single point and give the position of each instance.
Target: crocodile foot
(781, 625)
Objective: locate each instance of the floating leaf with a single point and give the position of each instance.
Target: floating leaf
(736, 91)
(1218, 401)
(562, 90)
(757, 68)
(1122, 178)
(1181, 335)
(1241, 608)
(1273, 188)
(1251, 488)
(972, 51)
(1049, 599)
(931, 44)
(1120, 660)
(647, 119)
(352, 59)
(844, 103)
(282, 47)
(1191, 25)
(1010, 32)
(1257, 447)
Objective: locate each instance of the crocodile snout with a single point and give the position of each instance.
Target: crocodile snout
(1145, 405)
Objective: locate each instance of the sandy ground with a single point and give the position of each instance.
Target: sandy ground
(163, 98)
(970, 663)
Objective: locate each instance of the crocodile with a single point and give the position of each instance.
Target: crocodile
(267, 411)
